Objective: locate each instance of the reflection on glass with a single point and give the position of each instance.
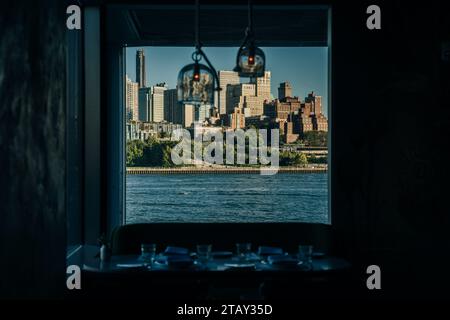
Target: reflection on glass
(148, 253)
(193, 91)
(305, 254)
(204, 252)
(250, 63)
(243, 250)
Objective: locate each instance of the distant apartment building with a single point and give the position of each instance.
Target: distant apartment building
(172, 108)
(294, 118)
(151, 103)
(249, 97)
(131, 131)
(198, 128)
(136, 130)
(310, 117)
(159, 128)
(301, 123)
(263, 87)
(140, 68)
(289, 134)
(258, 122)
(280, 110)
(225, 78)
(188, 115)
(145, 104)
(202, 113)
(284, 91)
(320, 122)
(158, 102)
(235, 120)
(244, 96)
(131, 100)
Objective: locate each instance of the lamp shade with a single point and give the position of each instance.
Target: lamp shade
(250, 62)
(196, 84)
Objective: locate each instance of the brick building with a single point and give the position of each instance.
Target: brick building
(235, 120)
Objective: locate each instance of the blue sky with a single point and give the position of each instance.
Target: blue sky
(306, 68)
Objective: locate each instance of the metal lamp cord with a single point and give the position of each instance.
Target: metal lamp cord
(198, 45)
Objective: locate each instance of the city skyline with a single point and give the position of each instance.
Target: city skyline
(305, 68)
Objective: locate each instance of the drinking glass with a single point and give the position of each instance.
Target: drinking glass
(204, 252)
(305, 254)
(243, 250)
(148, 252)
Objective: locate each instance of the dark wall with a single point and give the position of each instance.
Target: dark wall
(391, 123)
(32, 133)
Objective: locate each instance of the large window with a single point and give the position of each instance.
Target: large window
(123, 112)
(292, 99)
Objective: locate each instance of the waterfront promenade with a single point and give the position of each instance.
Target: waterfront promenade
(318, 168)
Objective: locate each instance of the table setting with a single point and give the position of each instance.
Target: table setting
(204, 258)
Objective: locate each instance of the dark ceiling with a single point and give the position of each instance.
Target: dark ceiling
(219, 25)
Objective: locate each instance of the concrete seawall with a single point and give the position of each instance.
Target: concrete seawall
(225, 170)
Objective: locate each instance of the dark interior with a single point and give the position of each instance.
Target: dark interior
(220, 24)
(127, 239)
(389, 169)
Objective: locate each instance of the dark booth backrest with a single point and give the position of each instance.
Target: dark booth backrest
(127, 239)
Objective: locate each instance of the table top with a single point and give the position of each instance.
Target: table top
(88, 259)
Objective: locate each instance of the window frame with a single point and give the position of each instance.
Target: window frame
(329, 111)
(104, 172)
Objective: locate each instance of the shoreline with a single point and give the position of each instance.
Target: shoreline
(224, 170)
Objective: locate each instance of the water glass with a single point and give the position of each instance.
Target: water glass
(204, 252)
(148, 252)
(305, 254)
(243, 250)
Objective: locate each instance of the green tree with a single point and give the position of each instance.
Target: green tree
(135, 151)
(300, 159)
(166, 157)
(164, 135)
(288, 158)
(315, 138)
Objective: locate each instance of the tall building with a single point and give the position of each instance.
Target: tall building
(158, 102)
(263, 87)
(236, 95)
(145, 104)
(140, 68)
(289, 135)
(202, 113)
(237, 119)
(284, 91)
(243, 96)
(131, 100)
(172, 108)
(305, 123)
(151, 103)
(316, 102)
(249, 97)
(188, 115)
(280, 110)
(225, 78)
(320, 122)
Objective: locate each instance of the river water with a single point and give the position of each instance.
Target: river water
(301, 197)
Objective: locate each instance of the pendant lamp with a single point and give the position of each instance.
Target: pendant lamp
(250, 60)
(196, 81)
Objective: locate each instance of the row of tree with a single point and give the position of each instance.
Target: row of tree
(157, 153)
(312, 139)
(149, 153)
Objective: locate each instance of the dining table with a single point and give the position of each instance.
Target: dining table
(88, 259)
(222, 276)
